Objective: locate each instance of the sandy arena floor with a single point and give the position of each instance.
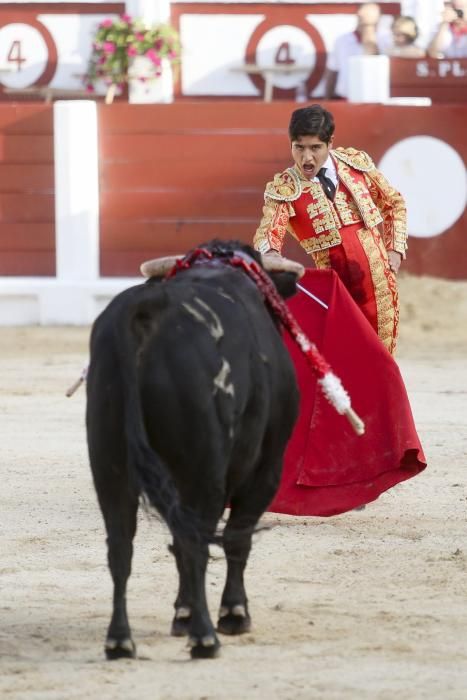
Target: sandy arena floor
(367, 605)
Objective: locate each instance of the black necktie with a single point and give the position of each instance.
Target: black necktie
(328, 185)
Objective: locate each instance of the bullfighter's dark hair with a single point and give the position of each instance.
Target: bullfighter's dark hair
(311, 121)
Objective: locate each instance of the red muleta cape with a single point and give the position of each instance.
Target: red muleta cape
(328, 469)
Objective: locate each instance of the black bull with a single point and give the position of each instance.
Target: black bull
(191, 399)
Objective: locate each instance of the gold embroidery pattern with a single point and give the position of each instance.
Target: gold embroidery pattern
(321, 211)
(384, 285)
(317, 208)
(273, 226)
(346, 208)
(356, 159)
(286, 186)
(314, 188)
(322, 219)
(372, 218)
(392, 207)
(321, 259)
(369, 212)
(329, 239)
(320, 201)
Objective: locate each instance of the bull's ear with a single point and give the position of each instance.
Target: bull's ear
(285, 283)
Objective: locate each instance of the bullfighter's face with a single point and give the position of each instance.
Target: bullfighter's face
(310, 154)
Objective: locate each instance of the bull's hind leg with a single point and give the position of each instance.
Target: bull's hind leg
(246, 509)
(119, 509)
(183, 603)
(191, 609)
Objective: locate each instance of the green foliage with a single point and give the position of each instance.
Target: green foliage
(117, 41)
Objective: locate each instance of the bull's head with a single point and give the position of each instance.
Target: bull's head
(283, 272)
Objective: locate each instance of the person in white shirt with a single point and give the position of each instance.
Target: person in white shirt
(450, 40)
(363, 41)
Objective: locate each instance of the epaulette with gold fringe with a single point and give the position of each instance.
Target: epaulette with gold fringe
(356, 159)
(286, 187)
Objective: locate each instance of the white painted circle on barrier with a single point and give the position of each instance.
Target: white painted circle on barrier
(431, 176)
(23, 55)
(287, 45)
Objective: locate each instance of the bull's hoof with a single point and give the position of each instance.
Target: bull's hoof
(181, 622)
(119, 649)
(180, 627)
(205, 648)
(234, 620)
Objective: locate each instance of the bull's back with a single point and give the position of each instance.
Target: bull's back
(212, 372)
(215, 373)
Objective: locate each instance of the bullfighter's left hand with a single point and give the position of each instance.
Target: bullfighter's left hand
(395, 260)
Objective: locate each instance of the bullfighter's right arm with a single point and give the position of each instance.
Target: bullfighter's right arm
(273, 226)
(277, 211)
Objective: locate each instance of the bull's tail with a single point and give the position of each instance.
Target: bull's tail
(158, 488)
(152, 474)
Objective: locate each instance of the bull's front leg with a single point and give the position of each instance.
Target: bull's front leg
(247, 506)
(192, 604)
(234, 617)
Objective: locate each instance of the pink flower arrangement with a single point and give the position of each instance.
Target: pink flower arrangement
(118, 41)
(154, 57)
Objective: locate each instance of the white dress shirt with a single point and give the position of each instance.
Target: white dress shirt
(331, 171)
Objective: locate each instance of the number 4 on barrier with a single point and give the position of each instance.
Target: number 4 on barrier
(283, 54)
(14, 54)
(28, 54)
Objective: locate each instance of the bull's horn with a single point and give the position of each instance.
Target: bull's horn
(276, 263)
(159, 266)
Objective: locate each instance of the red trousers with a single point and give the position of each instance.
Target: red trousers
(361, 262)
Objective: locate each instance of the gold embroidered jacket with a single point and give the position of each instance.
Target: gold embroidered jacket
(293, 203)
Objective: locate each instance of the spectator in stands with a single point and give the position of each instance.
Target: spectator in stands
(363, 41)
(450, 40)
(404, 34)
(426, 14)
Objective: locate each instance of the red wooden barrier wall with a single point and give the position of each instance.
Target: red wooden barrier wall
(174, 175)
(27, 229)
